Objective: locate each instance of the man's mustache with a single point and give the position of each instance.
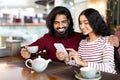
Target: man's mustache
(61, 28)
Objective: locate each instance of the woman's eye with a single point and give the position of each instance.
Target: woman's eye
(86, 23)
(80, 23)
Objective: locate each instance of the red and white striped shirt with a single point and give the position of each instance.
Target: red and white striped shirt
(99, 54)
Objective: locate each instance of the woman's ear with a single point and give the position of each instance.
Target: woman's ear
(68, 21)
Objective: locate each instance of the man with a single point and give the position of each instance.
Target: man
(60, 24)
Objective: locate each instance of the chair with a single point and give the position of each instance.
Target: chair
(117, 60)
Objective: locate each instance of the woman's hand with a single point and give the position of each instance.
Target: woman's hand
(24, 53)
(74, 55)
(60, 55)
(114, 40)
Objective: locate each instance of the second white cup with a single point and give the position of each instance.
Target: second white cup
(89, 73)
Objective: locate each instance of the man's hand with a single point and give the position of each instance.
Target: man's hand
(60, 55)
(114, 40)
(24, 53)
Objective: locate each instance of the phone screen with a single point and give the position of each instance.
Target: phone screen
(60, 47)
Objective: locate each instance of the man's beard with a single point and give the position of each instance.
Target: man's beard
(61, 35)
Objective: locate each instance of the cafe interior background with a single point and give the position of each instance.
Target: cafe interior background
(24, 20)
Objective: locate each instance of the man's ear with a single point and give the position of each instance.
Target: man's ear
(68, 21)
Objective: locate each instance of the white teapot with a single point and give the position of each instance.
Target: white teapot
(39, 64)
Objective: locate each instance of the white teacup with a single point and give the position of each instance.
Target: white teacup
(32, 49)
(89, 73)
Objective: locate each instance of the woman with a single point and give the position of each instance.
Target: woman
(95, 51)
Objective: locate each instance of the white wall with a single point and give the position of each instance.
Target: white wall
(79, 7)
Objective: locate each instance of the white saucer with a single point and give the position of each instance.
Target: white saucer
(80, 78)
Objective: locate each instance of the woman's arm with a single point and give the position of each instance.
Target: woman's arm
(74, 58)
(107, 63)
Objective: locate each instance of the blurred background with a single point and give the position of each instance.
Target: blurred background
(25, 19)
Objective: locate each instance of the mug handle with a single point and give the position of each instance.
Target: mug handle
(26, 63)
(98, 73)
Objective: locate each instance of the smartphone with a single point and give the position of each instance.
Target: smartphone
(60, 47)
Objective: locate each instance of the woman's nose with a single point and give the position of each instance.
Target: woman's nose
(82, 26)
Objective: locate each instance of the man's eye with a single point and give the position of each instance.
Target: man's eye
(64, 21)
(55, 22)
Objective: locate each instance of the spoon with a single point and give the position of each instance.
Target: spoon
(77, 73)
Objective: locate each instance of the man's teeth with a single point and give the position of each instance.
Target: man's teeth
(61, 29)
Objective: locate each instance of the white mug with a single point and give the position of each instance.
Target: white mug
(32, 49)
(89, 73)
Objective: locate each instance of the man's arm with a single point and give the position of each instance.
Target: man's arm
(114, 41)
(119, 45)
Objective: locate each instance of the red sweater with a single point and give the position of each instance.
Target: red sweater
(47, 43)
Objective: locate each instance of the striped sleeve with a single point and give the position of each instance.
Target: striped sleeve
(107, 63)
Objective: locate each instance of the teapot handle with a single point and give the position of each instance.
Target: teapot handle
(26, 63)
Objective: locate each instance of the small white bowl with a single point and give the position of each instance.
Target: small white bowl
(32, 49)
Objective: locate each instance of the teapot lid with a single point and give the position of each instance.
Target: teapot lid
(40, 58)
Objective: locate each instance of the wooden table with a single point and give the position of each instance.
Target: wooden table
(13, 68)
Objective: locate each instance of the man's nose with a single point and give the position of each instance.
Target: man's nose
(60, 24)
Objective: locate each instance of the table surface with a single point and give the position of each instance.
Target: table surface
(13, 68)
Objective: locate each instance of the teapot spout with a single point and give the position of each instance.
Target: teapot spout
(49, 60)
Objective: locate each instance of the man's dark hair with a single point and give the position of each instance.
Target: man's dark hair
(51, 17)
(96, 22)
